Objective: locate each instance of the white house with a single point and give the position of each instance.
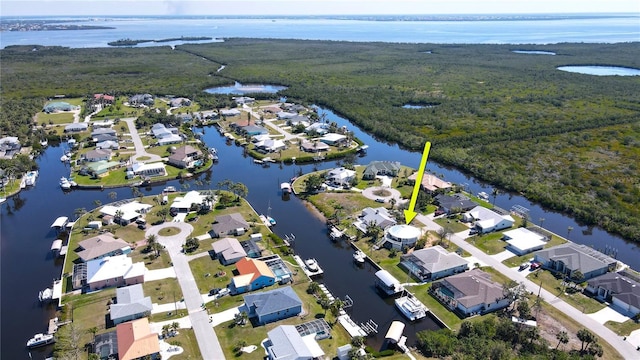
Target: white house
(379, 216)
(486, 220)
(433, 263)
(184, 203)
(340, 176)
(333, 139)
(229, 112)
(523, 241)
(271, 145)
(401, 236)
(114, 271)
(285, 343)
(148, 169)
(126, 212)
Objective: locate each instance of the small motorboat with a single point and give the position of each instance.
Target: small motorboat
(483, 195)
(169, 189)
(67, 184)
(40, 340)
(359, 257)
(312, 265)
(45, 295)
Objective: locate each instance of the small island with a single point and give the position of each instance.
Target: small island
(131, 42)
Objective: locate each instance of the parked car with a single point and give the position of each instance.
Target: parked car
(534, 266)
(380, 200)
(223, 292)
(142, 226)
(214, 291)
(473, 231)
(523, 266)
(439, 212)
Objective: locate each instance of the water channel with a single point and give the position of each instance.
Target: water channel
(26, 266)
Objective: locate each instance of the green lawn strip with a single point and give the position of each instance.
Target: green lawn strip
(163, 290)
(186, 339)
(170, 315)
(453, 224)
(200, 267)
(555, 241)
(624, 328)
(518, 260)
(55, 118)
(90, 310)
(440, 311)
(140, 255)
(574, 298)
(489, 243)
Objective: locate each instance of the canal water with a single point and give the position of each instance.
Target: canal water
(25, 238)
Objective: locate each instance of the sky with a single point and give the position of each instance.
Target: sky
(309, 7)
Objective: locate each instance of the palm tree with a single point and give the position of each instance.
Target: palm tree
(495, 192)
(325, 302)
(153, 245)
(335, 307)
(563, 338)
(174, 326)
(313, 288)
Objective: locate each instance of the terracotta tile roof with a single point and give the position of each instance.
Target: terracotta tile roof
(135, 339)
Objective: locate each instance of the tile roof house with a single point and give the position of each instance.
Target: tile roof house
(104, 98)
(458, 202)
(101, 246)
(285, 343)
(254, 274)
(621, 289)
(486, 220)
(111, 271)
(379, 216)
(430, 183)
(273, 305)
(375, 168)
(470, 293)
(433, 263)
(228, 250)
(185, 156)
(229, 225)
(97, 155)
(135, 340)
(570, 257)
(130, 304)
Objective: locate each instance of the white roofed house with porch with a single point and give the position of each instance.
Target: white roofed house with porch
(486, 220)
(379, 216)
(340, 176)
(147, 169)
(113, 271)
(433, 263)
(190, 200)
(522, 241)
(127, 212)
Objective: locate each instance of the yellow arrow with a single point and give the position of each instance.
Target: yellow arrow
(410, 213)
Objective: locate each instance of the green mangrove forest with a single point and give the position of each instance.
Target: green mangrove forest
(568, 141)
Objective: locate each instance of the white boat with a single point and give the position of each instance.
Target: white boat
(30, 178)
(271, 220)
(285, 187)
(40, 340)
(67, 184)
(45, 295)
(169, 189)
(312, 265)
(483, 195)
(44, 143)
(359, 256)
(64, 158)
(411, 307)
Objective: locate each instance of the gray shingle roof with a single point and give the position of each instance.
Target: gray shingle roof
(130, 301)
(286, 343)
(226, 223)
(473, 288)
(270, 302)
(100, 245)
(577, 257)
(622, 287)
(435, 259)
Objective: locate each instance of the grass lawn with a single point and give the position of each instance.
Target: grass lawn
(160, 317)
(623, 329)
(138, 255)
(448, 317)
(200, 267)
(55, 118)
(90, 310)
(454, 225)
(576, 299)
(489, 243)
(163, 291)
(186, 339)
(348, 204)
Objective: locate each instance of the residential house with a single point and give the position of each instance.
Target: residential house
(112, 271)
(166, 135)
(570, 258)
(131, 304)
(103, 131)
(340, 177)
(101, 168)
(126, 213)
(104, 99)
(184, 117)
(621, 289)
(454, 203)
(254, 274)
(97, 155)
(286, 343)
(486, 220)
(229, 112)
(185, 157)
(58, 106)
(381, 168)
(251, 247)
(189, 201)
(379, 216)
(273, 305)
(253, 130)
(283, 115)
(231, 224)
(334, 139)
(179, 102)
(298, 120)
(243, 100)
(104, 137)
(228, 251)
(430, 183)
(471, 293)
(108, 144)
(148, 169)
(313, 147)
(297, 108)
(76, 127)
(106, 345)
(9, 147)
(271, 109)
(522, 241)
(433, 263)
(140, 100)
(102, 124)
(136, 341)
(270, 145)
(101, 246)
(401, 236)
(318, 128)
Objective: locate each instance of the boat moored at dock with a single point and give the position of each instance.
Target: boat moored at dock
(411, 307)
(40, 340)
(359, 257)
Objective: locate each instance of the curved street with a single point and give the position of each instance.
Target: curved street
(137, 142)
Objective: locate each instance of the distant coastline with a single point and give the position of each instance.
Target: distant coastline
(130, 42)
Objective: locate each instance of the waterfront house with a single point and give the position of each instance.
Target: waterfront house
(387, 283)
(231, 224)
(334, 139)
(381, 168)
(131, 304)
(252, 130)
(185, 157)
(379, 216)
(9, 147)
(317, 128)
(112, 271)
(108, 145)
(313, 146)
(340, 177)
(125, 213)
(569, 258)
(253, 274)
(228, 250)
(273, 305)
(286, 343)
(522, 241)
(470, 293)
(621, 289)
(101, 246)
(433, 263)
(148, 169)
(103, 131)
(486, 220)
(140, 100)
(229, 112)
(97, 155)
(454, 203)
(166, 135)
(76, 127)
(270, 145)
(430, 183)
(189, 201)
(179, 102)
(101, 168)
(136, 341)
(401, 236)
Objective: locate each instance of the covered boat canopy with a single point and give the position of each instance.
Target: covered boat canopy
(60, 222)
(395, 331)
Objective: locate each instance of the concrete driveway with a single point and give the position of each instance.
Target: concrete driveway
(137, 142)
(395, 194)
